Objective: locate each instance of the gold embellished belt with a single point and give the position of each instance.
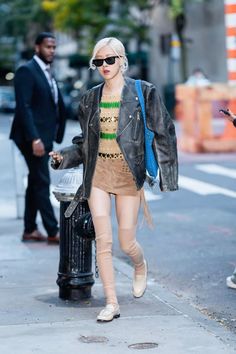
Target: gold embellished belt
(115, 156)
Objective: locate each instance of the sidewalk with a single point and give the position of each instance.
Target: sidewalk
(34, 320)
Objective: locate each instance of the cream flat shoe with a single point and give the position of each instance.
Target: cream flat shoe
(140, 283)
(108, 313)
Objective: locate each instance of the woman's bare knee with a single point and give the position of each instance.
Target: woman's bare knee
(99, 202)
(127, 208)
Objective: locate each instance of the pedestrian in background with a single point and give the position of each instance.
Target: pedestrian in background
(198, 78)
(113, 156)
(39, 120)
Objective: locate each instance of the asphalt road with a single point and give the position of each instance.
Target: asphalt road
(191, 250)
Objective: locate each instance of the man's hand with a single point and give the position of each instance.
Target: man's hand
(56, 156)
(38, 148)
(232, 116)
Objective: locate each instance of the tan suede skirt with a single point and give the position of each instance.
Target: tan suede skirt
(114, 176)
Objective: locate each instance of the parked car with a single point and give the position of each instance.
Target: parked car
(7, 99)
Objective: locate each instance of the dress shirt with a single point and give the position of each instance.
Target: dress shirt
(51, 81)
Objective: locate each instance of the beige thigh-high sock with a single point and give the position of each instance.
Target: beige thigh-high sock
(131, 247)
(103, 230)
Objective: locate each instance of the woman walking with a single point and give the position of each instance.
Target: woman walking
(112, 153)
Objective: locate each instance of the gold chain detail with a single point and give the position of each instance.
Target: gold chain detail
(108, 119)
(110, 156)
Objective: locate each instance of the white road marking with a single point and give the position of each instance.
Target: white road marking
(217, 170)
(203, 188)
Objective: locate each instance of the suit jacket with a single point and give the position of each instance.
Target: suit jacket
(36, 114)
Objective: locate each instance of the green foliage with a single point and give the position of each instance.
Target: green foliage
(20, 21)
(93, 18)
(19, 17)
(177, 6)
(75, 15)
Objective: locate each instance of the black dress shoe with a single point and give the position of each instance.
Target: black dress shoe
(54, 239)
(33, 236)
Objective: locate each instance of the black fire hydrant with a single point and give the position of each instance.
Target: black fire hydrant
(75, 277)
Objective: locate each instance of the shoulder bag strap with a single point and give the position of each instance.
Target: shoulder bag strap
(139, 90)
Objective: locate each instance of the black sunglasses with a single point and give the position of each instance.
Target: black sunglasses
(109, 61)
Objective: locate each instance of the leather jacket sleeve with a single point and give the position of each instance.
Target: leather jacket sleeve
(165, 144)
(72, 155)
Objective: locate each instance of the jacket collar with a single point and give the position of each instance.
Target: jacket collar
(129, 103)
(128, 92)
(41, 63)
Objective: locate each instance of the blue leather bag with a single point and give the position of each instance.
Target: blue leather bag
(150, 159)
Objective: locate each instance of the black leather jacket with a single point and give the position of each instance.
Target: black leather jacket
(130, 137)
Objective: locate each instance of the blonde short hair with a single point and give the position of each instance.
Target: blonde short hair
(118, 48)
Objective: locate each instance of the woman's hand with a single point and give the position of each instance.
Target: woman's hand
(232, 115)
(56, 156)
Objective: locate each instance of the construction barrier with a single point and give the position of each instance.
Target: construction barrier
(196, 118)
(194, 104)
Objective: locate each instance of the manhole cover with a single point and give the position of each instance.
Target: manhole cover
(143, 346)
(93, 339)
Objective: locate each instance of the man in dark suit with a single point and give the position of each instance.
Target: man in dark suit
(39, 120)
